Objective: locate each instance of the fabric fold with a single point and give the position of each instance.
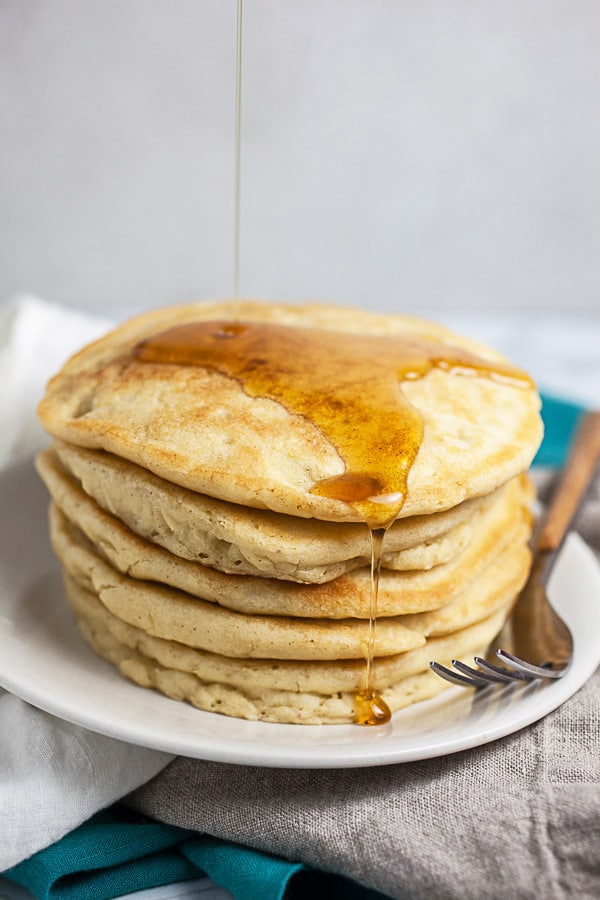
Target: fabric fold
(447, 828)
(117, 853)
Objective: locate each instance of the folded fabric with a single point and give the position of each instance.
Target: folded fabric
(114, 853)
(101, 859)
(560, 423)
(54, 776)
(517, 818)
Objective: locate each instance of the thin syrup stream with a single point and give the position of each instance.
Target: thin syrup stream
(370, 709)
(237, 162)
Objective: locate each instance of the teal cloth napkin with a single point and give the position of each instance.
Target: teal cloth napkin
(114, 853)
(561, 418)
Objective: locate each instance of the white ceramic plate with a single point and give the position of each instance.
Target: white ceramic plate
(44, 661)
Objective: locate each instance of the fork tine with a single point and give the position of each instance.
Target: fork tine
(454, 677)
(486, 674)
(477, 676)
(503, 674)
(528, 668)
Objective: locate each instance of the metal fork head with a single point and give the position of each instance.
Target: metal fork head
(541, 640)
(487, 673)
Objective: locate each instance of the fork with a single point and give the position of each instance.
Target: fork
(542, 642)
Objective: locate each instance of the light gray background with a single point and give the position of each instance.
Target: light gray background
(440, 155)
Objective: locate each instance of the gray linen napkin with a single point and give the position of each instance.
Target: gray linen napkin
(518, 818)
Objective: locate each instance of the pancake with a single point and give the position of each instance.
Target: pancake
(244, 540)
(199, 428)
(144, 559)
(309, 693)
(175, 615)
(219, 482)
(347, 596)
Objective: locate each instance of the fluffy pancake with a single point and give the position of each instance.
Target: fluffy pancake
(507, 519)
(174, 615)
(103, 528)
(198, 428)
(268, 690)
(244, 540)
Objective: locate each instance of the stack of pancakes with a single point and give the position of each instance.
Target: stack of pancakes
(199, 559)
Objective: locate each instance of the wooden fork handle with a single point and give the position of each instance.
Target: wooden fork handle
(574, 481)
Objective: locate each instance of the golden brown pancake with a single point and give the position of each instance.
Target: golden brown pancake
(348, 595)
(244, 540)
(175, 615)
(308, 693)
(197, 427)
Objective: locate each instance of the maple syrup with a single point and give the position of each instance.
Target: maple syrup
(350, 386)
(237, 161)
(369, 707)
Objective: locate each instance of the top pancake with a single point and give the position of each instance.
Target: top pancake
(200, 429)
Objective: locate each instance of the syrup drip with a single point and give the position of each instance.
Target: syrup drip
(369, 707)
(349, 386)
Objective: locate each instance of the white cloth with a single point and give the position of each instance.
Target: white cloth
(36, 338)
(53, 775)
